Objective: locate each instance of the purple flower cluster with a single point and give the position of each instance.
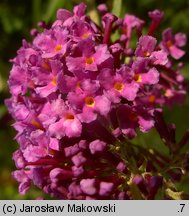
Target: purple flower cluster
(77, 97)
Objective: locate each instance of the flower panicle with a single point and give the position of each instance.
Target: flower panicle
(78, 97)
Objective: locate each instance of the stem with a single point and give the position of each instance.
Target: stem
(167, 78)
(43, 162)
(108, 20)
(107, 33)
(161, 127)
(182, 142)
(127, 153)
(184, 139)
(153, 28)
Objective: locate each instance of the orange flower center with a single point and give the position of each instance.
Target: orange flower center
(169, 43)
(69, 117)
(133, 116)
(36, 124)
(89, 101)
(89, 60)
(137, 78)
(54, 81)
(146, 54)
(86, 35)
(46, 65)
(78, 84)
(58, 47)
(118, 86)
(151, 98)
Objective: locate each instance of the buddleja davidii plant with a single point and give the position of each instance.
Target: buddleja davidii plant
(79, 97)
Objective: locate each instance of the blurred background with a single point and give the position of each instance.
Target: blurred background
(16, 21)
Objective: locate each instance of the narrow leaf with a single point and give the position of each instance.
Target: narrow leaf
(51, 9)
(117, 6)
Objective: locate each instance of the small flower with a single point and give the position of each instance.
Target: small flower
(52, 43)
(143, 73)
(119, 85)
(156, 17)
(69, 125)
(97, 146)
(132, 118)
(89, 59)
(88, 186)
(146, 48)
(172, 44)
(130, 22)
(22, 177)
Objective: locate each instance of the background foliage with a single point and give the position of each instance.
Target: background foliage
(16, 21)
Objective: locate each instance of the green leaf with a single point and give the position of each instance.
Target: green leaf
(183, 185)
(117, 6)
(51, 9)
(3, 110)
(176, 195)
(135, 192)
(36, 8)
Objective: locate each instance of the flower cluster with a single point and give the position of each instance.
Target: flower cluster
(78, 97)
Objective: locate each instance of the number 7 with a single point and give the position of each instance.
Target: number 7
(182, 207)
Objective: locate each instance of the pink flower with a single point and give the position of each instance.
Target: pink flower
(69, 126)
(90, 58)
(119, 85)
(143, 73)
(146, 48)
(172, 44)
